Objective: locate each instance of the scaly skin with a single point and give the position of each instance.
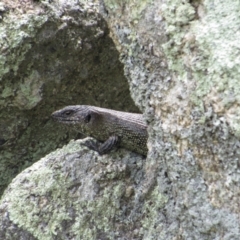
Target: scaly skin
(127, 130)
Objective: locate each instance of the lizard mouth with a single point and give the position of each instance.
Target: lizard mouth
(67, 121)
(62, 120)
(57, 117)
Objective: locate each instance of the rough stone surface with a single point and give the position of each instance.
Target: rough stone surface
(182, 63)
(53, 54)
(181, 59)
(74, 193)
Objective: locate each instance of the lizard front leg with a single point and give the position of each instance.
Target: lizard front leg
(105, 147)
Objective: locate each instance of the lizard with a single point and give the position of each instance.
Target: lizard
(111, 127)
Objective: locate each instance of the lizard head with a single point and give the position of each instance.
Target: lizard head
(82, 117)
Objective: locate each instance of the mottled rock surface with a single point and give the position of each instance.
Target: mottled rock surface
(181, 60)
(53, 54)
(182, 63)
(73, 193)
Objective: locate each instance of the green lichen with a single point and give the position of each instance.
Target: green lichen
(135, 7)
(46, 186)
(209, 48)
(151, 209)
(177, 15)
(218, 38)
(103, 211)
(39, 200)
(29, 94)
(7, 92)
(13, 40)
(29, 206)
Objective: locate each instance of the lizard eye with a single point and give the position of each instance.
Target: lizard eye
(68, 113)
(88, 118)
